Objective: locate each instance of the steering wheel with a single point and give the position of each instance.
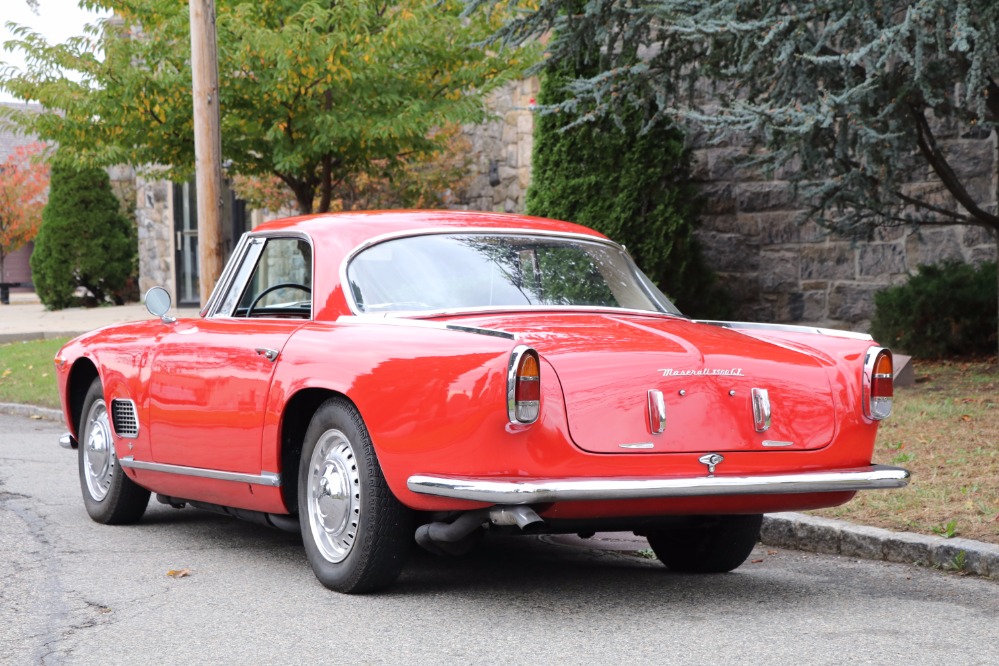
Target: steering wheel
(283, 285)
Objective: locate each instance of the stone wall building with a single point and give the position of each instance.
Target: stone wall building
(781, 270)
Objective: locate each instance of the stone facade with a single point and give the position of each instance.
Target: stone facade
(154, 219)
(501, 151)
(779, 268)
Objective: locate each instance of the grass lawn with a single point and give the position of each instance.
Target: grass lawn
(27, 373)
(945, 430)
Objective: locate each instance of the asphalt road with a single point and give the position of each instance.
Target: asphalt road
(75, 592)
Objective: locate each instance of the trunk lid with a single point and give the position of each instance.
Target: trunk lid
(707, 376)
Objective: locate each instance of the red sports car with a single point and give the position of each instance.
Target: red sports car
(368, 378)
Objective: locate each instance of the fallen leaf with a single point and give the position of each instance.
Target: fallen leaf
(179, 573)
(36, 417)
(771, 552)
(965, 417)
(756, 561)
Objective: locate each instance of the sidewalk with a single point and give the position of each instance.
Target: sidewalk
(26, 319)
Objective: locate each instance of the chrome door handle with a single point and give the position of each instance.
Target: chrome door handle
(270, 354)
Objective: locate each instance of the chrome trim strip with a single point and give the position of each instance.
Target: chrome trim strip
(534, 491)
(786, 328)
(481, 331)
(657, 412)
(368, 319)
(776, 442)
(271, 479)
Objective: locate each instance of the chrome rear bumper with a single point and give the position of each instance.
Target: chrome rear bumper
(536, 491)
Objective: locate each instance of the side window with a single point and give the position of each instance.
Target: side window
(281, 283)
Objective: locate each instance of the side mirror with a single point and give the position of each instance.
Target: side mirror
(157, 301)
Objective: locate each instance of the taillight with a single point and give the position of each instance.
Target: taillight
(879, 388)
(523, 388)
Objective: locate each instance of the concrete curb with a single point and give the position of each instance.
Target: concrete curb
(31, 411)
(787, 530)
(838, 537)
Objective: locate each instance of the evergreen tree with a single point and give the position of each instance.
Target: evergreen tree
(628, 184)
(84, 240)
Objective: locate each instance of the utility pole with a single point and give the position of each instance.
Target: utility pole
(207, 144)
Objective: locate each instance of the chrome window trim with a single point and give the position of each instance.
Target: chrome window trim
(504, 309)
(535, 491)
(228, 274)
(270, 479)
(246, 244)
(492, 231)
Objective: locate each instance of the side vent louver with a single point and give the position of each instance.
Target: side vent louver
(125, 418)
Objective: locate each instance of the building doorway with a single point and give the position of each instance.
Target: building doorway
(185, 223)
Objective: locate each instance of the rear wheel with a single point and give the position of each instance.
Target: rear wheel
(356, 533)
(709, 544)
(110, 497)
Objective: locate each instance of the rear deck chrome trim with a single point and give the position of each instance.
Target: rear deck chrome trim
(271, 479)
(532, 491)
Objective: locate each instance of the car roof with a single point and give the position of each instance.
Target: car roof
(353, 228)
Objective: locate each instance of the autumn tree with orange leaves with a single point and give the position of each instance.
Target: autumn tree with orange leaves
(24, 180)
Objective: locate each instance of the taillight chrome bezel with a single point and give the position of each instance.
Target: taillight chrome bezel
(879, 389)
(522, 412)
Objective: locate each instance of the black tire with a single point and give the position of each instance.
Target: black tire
(709, 544)
(356, 541)
(109, 495)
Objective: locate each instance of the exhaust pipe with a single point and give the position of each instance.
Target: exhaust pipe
(458, 536)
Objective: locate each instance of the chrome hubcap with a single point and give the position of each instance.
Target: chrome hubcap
(334, 496)
(98, 452)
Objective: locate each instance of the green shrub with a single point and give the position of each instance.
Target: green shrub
(629, 184)
(84, 240)
(947, 309)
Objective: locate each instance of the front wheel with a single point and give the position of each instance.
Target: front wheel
(109, 495)
(356, 533)
(709, 544)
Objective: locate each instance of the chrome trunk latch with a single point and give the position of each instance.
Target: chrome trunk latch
(712, 460)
